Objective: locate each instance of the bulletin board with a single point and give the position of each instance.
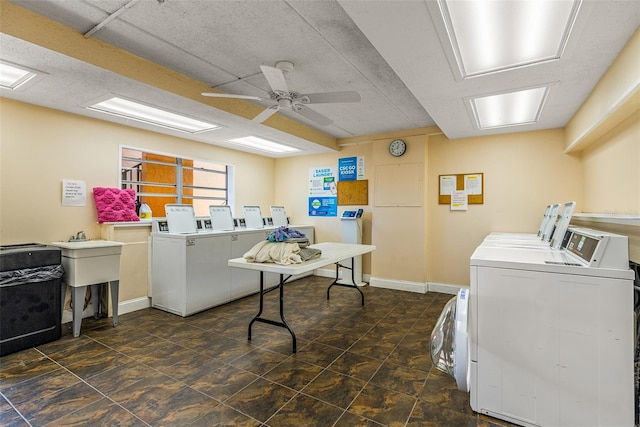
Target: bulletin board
(472, 182)
(353, 192)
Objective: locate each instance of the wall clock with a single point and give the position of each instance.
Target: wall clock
(397, 147)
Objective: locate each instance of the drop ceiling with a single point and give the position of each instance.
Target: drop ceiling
(394, 53)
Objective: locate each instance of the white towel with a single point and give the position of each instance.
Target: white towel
(276, 252)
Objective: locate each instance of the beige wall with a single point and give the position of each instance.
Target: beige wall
(397, 231)
(523, 173)
(292, 189)
(41, 147)
(611, 170)
(430, 243)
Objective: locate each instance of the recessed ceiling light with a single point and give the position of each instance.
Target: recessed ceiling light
(509, 109)
(13, 76)
(489, 36)
(155, 116)
(263, 144)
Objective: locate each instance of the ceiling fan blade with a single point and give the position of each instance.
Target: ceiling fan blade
(329, 97)
(275, 78)
(314, 116)
(265, 114)
(229, 95)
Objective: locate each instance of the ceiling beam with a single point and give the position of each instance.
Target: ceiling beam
(33, 28)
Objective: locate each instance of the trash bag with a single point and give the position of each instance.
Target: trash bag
(31, 275)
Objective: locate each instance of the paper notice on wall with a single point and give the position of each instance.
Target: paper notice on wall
(447, 184)
(459, 200)
(74, 192)
(473, 184)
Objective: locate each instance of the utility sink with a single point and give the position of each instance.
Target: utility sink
(89, 248)
(90, 263)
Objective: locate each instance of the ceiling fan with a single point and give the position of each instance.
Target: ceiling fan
(285, 98)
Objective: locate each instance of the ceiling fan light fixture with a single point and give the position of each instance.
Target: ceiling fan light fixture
(263, 144)
(285, 66)
(509, 109)
(490, 36)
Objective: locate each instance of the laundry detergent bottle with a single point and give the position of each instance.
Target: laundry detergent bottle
(145, 211)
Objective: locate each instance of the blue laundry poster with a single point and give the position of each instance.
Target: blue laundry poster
(347, 169)
(323, 206)
(323, 193)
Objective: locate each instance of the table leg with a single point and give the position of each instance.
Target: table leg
(114, 287)
(282, 323)
(77, 299)
(257, 316)
(353, 280)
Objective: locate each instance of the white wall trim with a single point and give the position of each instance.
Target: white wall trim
(444, 288)
(399, 285)
(124, 307)
(403, 285)
(331, 272)
(67, 314)
(135, 304)
(327, 272)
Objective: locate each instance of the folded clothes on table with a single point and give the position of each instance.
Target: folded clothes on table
(283, 253)
(284, 234)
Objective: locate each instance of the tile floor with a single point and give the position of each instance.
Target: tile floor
(355, 366)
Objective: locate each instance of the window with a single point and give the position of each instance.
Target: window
(161, 179)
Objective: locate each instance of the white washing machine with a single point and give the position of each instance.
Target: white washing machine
(189, 258)
(550, 333)
(551, 233)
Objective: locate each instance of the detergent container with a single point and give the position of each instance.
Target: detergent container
(145, 211)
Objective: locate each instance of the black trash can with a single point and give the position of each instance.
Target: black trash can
(30, 292)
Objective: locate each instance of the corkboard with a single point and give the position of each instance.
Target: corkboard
(353, 192)
(473, 199)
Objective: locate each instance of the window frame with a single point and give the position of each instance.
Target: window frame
(178, 185)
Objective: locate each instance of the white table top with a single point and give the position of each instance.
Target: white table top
(331, 253)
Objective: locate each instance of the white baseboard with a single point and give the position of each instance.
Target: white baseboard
(444, 288)
(331, 272)
(135, 304)
(67, 315)
(403, 285)
(399, 285)
(124, 307)
(327, 272)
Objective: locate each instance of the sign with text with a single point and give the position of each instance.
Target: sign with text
(351, 168)
(323, 192)
(74, 192)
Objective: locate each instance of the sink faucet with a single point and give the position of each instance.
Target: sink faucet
(79, 237)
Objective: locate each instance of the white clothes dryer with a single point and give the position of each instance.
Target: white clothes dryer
(550, 333)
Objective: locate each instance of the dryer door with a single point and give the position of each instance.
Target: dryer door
(450, 340)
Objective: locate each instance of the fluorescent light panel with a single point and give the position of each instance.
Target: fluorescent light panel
(12, 76)
(263, 144)
(489, 35)
(509, 109)
(155, 116)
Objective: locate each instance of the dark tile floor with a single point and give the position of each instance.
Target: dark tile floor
(355, 366)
